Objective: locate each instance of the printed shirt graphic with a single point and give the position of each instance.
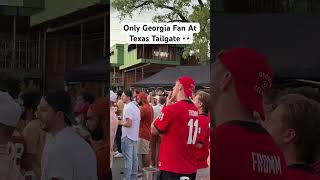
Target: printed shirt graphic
(246, 150)
(18, 150)
(203, 137)
(8, 168)
(178, 123)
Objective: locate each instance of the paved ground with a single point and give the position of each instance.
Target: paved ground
(118, 164)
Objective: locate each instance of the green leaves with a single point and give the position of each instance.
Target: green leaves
(176, 11)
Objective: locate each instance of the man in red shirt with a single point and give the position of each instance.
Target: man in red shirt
(295, 127)
(178, 125)
(202, 102)
(146, 114)
(241, 148)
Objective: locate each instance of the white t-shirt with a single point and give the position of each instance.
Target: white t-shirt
(67, 156)
(157, 110)
(132, 112)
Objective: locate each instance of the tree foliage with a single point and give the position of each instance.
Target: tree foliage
(176, 11)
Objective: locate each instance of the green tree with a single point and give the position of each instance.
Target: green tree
(176, 11)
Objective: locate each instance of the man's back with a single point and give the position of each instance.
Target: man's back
(146, 112)
(178, 124)
(68, 156)
(244, 150)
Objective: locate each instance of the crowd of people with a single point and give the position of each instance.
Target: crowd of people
(168, 131)
(256, 131)
(43, 137)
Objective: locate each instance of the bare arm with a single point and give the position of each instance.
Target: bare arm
(126, 123)
(154, 130)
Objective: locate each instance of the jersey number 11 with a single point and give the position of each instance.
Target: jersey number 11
(193, 132)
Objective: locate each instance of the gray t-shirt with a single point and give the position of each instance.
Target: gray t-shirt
(68, 156)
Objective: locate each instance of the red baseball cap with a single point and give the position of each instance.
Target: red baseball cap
(252, 76)
(188, 85)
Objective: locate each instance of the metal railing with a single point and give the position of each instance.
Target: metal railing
(25, 56)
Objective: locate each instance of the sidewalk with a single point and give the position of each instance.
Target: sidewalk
(118, 164)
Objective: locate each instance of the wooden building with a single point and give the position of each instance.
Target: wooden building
(132, 63)
(75, 36)
(44, 39)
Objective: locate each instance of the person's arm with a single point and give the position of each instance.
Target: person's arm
(126, 123)
(160, 125)
(154, 130)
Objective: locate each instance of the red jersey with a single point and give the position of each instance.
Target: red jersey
(245, 150)
(18, 149)
(301, 172)
(316, 167)
(179, 126)
(203, 138)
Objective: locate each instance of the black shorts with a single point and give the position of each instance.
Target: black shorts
(164, 175)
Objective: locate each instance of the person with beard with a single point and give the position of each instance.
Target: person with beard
(242, 148)
(96, 124)
(33, 134)
(178, 127)
(294, 124)
(10, 113)
(66, 155)
(146, 114)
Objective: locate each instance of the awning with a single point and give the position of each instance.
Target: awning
(96, 71)
(168, 76)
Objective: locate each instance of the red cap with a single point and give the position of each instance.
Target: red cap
(252, 76)
(143, 97)
(188, 85)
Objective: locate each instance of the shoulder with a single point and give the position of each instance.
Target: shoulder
(33, 125)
